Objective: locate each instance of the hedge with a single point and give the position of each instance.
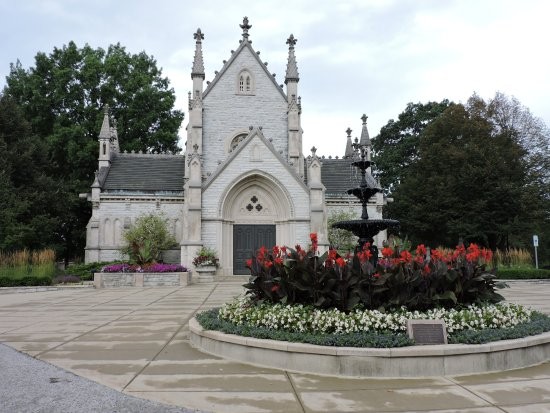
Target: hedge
(25, 281)
(522, 274)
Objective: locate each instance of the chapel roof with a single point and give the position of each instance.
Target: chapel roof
(339, 175)
(145, 173)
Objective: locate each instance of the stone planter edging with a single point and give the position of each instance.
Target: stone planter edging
(414, 361)
(141, 279)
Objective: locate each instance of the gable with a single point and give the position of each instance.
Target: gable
(244, 58)
(227, 112)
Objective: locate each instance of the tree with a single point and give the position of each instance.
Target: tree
(396, 147)
(28, 206)
(471, 181)
(147, 238)
(62, 97)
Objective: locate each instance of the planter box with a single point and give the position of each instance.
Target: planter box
(141, 279)
(206, 273)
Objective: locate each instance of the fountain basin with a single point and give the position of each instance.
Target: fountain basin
(367, 228)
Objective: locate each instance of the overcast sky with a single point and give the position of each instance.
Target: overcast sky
(354, 57)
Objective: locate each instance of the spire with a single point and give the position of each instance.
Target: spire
(365, 139)
(105, 132)
(349, 148)
(245, 26)
(291, 67)
(198, 64)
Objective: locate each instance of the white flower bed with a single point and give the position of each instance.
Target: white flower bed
(299, 318)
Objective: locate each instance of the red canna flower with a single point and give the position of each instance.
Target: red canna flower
(427, 269)
(421, 250)
(332, 254)
(276, 250)
(340, 262)
(249, 263)
(268, 264)
(387, 252)
(314, 242)
(406, 256)
(279, 261)
(376, 275)
(275, 288)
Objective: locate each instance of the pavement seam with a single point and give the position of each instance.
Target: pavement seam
(296, 395)
(170, 340)
(475, 394)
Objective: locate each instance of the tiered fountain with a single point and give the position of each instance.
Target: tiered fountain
(365, 228)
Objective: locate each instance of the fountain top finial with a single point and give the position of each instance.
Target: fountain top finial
(348, 131)
(364, 119)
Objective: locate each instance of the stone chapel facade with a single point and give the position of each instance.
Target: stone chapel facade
(243, 180)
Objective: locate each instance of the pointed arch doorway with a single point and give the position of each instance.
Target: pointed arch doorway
(256, 212)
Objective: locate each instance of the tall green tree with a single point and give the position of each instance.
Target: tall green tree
(471, 181)
(62, 97)
(396, 147)
(28, 206)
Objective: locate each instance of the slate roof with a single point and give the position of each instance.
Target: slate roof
(339, 175)
(145, 173)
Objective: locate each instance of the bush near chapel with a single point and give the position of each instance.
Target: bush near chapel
(147, 238)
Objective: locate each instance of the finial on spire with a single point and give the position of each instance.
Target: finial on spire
(245, 26)
(348, 132)
(313, 150)
(292, 66)
(291, 41)
(198, 35)
(198, 64)
(364, 119)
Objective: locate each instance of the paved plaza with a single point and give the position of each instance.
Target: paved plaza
(135, 341)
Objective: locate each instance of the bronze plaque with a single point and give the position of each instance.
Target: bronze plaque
(427, 331)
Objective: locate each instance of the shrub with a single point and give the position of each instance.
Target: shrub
(66, 279)
(25, 281)
(86, 271)
(522, 274)
(427, 280)
(147, 239)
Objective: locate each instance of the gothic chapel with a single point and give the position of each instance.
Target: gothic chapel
(243, 181)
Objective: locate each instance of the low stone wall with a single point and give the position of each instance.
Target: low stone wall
(414, 361)
(141, 279)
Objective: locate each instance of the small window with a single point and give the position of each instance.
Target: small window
(245, 83)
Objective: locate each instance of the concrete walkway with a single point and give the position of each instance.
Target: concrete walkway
(136, 341)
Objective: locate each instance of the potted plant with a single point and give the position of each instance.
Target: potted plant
(206, 263)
